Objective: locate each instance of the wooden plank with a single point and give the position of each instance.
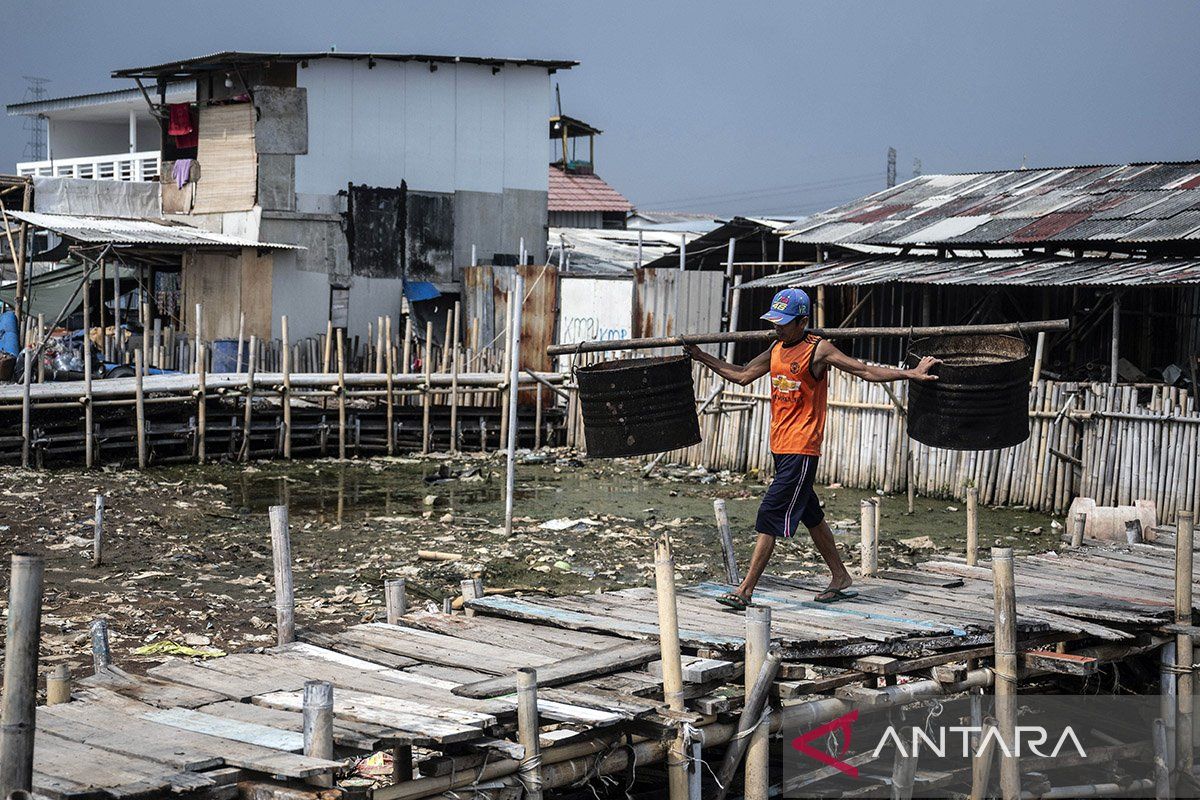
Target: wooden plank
(699, 670)
(237, 730)
(1062, 663)
(354, 735)
(115, 774)
(569, 670)
(335, 642)
(920, 578)
(151, 690)
(68, 723)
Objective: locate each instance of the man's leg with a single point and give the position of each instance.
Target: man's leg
(822, 537)
(764, 545)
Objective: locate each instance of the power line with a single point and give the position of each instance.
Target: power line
(796, 187)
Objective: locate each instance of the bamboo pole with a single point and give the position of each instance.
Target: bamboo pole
(328, 348)
(427, 397)
(237, 365)
(1039, 351)
(454, 368)
(396, 599)
(285, 601)
(981, 765)
(672, 667)
(1184, 539)
(530, 770)
(504, 363)
(1005, 619)
(1168, 705)
(88, 422)
(750, 718)
(1014, 328)
(406, 361)
(248, 410)
(286, 355)
(140, 407)
(514, 375)
(869, 544)
(318, 726)
(341, 390)
(1115, 353)
(380, 355)
(201, 404)
(1162, 772)
(732, 577)
(26, 408)
(98, 532)
(972, 526)
(757, 780)
(19, 703)
(58, 686)
(1078, 529)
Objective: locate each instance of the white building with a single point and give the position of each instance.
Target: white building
(313, 149)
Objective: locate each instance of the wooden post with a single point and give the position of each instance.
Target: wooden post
(406, 355)
(19, 703)
(391, 394)
(1077, 531)
(904, 769)
(140, 404)
(502, 397)
(1168, 705)
(869, 544)
(252, 358)
(981, 765)
(98, 532)
(41, 339)
(749, 719)
(58, 685)
(285, 601)
(911, 481)
(101, 651)
(732, 576)
(341, 390)
(972, 526)
(472, 589)
(1039, 352)
(380, 355)
(530, 770)
(454, 368)
(537, 417)
(396, 599)
(318, 726)
(1184, 539)
(757, 779)
(513, 374)
(201, 403)
(26, 406)
(199, 327)
(237, 365)
(1005, 619)
(427, 388)
(325, 353)
(672, 666)
(88, 432)
(287, 387)
(1115, 354)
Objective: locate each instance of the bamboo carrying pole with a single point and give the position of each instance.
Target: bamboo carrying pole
(530, 771)
(1014, 328)
(1005, 619)
(318, 726)
(19, 703)
(972, 526)
(757, 781)
(285, 602)
(1184, 539)
(286, 400)
(731, 568)
(672, 666)
(396, 599)
(514, 374)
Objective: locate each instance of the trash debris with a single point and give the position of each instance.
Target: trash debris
(166, 647)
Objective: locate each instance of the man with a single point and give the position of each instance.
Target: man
(799, 364)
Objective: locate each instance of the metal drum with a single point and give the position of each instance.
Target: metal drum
(637, 406)
(981, 398)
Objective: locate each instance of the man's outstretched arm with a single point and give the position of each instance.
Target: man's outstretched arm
(828, 355)
(760, 365)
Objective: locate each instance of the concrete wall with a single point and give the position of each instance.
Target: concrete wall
(495, 223)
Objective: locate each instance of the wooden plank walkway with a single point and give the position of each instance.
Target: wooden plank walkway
(197, 727)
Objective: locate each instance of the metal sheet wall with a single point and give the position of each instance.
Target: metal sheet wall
(485, 298)
(669, 302)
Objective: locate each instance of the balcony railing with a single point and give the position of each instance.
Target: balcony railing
(117, 167)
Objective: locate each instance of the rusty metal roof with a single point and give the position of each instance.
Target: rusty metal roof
(1146, 203)
(146, 232)
(989, 272)
(232, 59)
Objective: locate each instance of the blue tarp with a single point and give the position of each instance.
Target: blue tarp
(416, 291)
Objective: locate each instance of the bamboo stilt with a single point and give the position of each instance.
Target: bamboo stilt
(1005, 625)
(26, 407)
(530, 771)
(757, 779)
(454, 367)
(972, 526)
(514, 371)
(672, 668)
(58, 686)
(318, 726)
(395, 599)
(89, 432)
(869, 542)
(427, 396)
(140, 406)
(19, 702)
(98, 532)
(286, 400)
(201, 404)
(341, 390)
(1184, 656)
(252, 358)
(281, 550)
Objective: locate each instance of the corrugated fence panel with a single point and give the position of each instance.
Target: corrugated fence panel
(669, 302)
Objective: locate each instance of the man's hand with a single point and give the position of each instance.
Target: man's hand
(921, 372)
(691, 351)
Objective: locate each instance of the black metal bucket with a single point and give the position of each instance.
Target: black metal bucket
(981, 398)
(638, 406)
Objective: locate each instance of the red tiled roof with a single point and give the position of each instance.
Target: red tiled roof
(577, 192)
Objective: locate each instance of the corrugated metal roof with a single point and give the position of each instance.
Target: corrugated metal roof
(176, 92)
(111, 230)
(227, 59)
(571, 191)
(990, 272)
(1046, 205)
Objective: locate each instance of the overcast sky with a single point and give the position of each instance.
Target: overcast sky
(767, 108)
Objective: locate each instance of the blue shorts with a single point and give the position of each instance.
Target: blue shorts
(790, 500)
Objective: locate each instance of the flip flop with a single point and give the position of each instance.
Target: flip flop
(733, 600)
(835, 595)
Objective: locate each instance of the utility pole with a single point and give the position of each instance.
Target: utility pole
(35, 124)
(916, 168)
(891, 167)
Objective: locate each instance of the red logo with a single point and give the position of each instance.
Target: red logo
(842, 723)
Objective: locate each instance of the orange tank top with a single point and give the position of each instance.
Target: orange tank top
(797, 399)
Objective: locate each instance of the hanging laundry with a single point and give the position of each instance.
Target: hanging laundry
(182, 171)
(179, 119)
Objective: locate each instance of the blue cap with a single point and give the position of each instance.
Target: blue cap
(787, 306)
